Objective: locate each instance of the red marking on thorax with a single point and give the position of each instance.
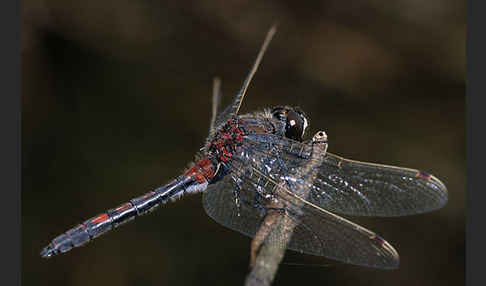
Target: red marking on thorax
(100, 218)
(224, 143)
(201, 171)
(226, 135)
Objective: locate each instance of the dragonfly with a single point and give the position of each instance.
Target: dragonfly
(257, 166)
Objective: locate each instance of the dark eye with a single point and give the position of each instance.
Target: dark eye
(295, 125)
(279, 113)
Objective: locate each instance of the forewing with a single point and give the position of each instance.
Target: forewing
(233, 108)
(358, 188)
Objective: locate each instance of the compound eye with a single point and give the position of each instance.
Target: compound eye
(279, 113)
(295, 125)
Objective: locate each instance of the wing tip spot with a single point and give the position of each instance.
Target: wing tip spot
(423, 175)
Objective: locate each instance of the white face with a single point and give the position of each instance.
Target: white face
(305, 125)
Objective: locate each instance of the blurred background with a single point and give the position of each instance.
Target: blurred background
(116, 99)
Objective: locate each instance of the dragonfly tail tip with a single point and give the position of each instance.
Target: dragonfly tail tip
(47, 252)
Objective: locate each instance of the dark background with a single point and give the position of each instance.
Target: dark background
(116, 99)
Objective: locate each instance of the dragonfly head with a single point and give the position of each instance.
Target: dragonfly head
(294, 119)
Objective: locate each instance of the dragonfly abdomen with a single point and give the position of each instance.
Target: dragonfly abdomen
(113, 218)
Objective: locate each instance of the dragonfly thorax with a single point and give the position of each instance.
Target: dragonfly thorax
(226, 139)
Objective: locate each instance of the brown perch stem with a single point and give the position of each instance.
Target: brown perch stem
(277, 228)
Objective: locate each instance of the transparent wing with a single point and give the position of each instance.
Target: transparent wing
(217, 94)
(318, 232)
(219, 203)
(233, 108)
(357, 188)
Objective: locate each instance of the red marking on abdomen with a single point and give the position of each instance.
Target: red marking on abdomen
(207, 167)
(100, 218)
(124, 207)
(147, 195)
(201, 171)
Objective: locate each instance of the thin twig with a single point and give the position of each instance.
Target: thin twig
(276, 230)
